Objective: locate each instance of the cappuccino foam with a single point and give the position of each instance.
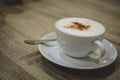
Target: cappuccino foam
(94, 30)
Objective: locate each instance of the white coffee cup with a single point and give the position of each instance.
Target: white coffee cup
(76, 43)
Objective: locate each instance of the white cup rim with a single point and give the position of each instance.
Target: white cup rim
(80, 35)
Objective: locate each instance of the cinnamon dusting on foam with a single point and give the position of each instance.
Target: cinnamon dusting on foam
(78, 26)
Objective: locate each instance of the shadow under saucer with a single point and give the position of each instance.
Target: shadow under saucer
(78, 74)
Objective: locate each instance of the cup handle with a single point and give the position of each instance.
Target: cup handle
(101, 47)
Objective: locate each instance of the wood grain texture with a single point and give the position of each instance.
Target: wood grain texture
(34, 19)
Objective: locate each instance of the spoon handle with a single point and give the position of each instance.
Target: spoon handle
(35, 42)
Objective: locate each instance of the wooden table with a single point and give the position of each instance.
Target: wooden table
(19, 61)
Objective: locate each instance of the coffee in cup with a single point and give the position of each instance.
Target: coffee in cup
(78, 36)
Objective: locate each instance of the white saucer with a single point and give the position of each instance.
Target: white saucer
(54, 53)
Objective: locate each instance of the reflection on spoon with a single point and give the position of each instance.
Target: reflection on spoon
(36, 42)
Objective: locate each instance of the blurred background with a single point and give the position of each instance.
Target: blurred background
(32, 19)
